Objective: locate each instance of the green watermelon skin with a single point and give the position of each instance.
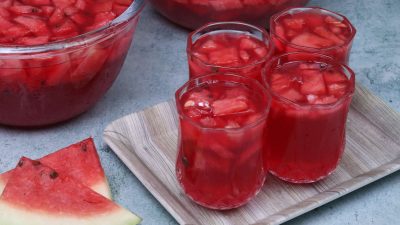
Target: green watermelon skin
(38, 195)
(79, 161)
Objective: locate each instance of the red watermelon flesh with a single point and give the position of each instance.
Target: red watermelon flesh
(35, 22)
(79, 161)
(37, 194)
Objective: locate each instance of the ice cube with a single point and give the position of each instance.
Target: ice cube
(189, 103)
(312, 98)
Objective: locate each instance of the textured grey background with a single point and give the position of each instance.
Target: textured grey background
(156, 66)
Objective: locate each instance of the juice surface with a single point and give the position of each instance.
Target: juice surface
(228, 51)
(313, 29)
(35, 22)
(306, 125)
(219, 164)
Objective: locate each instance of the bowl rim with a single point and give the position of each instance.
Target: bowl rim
(84, 39)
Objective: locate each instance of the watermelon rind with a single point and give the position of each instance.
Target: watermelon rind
(14, 215)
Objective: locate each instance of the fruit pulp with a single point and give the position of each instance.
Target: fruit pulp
(220, 164)
(305, 136)
(195, 13)
(312, 30)
(35, 22)
(45, 88)
(229, 51)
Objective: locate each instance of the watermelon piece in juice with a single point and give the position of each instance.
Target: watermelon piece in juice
(216, 142)
(305, 136)
(312, 30)
(79, 161)
(228, 51)
(37, 194)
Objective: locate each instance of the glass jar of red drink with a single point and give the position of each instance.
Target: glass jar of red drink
(195, 13)
(228, 47)
(57, 63)
(305, 136)
(312, 29)
(222, 120)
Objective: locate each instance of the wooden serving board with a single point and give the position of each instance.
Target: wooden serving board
(146, 141)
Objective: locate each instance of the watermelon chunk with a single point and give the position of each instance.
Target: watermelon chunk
(230, 106)
(313, 83)
(37, 194)
(78, 161)
(225, 56)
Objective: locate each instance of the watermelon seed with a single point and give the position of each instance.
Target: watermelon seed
(323, 66)
(36, 163)
(185, 161)
(20, 163)
(84, 148)
(53, 175)
(214, 69)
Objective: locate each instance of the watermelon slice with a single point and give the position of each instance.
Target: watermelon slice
(37, 194)
(78, 161)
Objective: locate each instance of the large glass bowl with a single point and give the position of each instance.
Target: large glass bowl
(195, 13)
(50, 83)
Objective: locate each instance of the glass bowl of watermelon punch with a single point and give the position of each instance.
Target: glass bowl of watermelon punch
(59, 57)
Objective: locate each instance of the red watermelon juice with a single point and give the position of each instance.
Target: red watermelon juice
(53, 68)
(222, 119)
(312, 30)
(228, 47)
(305, 136)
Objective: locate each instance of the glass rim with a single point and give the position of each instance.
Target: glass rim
(326, 59)
(257, 62)
(81, 40)
(276, 16)
(180, 91)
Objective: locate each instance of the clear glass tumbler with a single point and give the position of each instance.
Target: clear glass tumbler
(222, 120)
(305, 136)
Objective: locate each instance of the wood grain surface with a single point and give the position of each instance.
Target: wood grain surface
(146, 142)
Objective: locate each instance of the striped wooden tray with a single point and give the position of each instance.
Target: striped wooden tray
(146, 142)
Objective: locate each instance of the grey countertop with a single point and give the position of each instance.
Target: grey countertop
(156, 66)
